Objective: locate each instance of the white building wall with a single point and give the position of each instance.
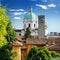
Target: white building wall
(46, 31)
(33, 33)
(26, 24)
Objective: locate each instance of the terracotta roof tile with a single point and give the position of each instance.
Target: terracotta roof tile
(35, 40)
(16, 43)
(20, 37)
(55, 47)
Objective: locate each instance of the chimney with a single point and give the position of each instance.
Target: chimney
(41, 26)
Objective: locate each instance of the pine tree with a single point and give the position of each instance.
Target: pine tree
(28, 33)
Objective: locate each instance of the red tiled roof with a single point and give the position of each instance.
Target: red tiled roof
(35, 41)
(55, 47)
(20, 37)
(16, 43)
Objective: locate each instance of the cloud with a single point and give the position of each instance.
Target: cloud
(46, 6)
(51, 5)
(42, 6)
(17, 18)
(24, 12)
(16, 14)
(21, 9)
(19, 13)
(16, 10)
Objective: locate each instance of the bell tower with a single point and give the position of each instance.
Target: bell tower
(41, 26)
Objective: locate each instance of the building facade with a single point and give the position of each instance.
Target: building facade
(32, 21)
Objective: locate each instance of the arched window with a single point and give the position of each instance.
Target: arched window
(34, 25)
(20, 34)
(29, 25)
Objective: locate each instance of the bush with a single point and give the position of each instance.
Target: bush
(40, 54)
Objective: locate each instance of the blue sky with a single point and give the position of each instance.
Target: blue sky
(18, 8)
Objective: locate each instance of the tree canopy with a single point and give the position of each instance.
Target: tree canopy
(7, 34)
(11, 34)
(40, 54)
(3, 23)
(28, 33)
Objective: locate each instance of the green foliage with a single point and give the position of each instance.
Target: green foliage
(2, 40)
(28, 33)
(41, 53)
(11, 34)
(32, 52)
(6, 30)
(6, 53)
(54, 54)
(3, 23)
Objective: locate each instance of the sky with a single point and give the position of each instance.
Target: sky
(16, 9)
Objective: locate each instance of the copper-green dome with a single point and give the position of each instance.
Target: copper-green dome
(30, 15)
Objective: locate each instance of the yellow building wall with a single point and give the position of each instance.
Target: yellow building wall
(18, 51)
(29, 47)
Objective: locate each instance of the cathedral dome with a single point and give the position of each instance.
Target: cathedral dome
(30, 15)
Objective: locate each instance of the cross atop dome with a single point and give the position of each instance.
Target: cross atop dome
(30, 9)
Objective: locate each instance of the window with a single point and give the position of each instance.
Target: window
(24, 25)
(20, 34)
(34, 25)
(29, 25)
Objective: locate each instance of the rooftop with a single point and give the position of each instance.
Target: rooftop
(35, 40)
